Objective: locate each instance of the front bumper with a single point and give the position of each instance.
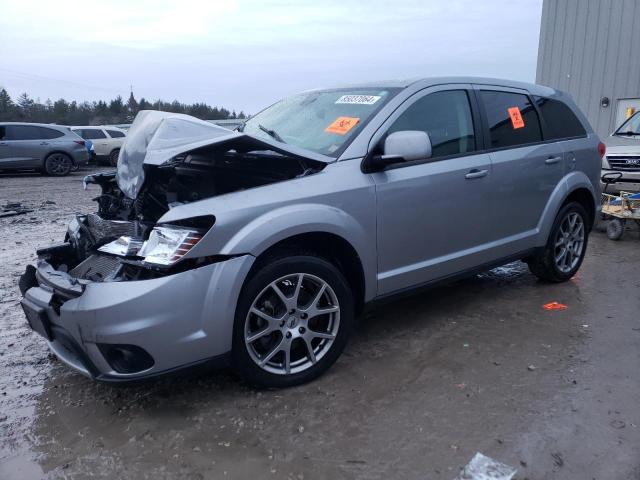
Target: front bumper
(179, 320)
(629, 182)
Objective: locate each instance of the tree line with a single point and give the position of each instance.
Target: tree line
(63, 112)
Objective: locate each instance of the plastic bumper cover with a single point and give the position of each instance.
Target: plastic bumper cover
(180, 320)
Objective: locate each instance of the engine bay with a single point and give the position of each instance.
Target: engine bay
(123, 241)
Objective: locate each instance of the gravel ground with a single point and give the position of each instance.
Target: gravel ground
(427, 382)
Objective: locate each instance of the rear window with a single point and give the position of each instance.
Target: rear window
(560, 120)
(115, 134)
(50, 133)
(512, 119)
(91, 133)
(23, 132)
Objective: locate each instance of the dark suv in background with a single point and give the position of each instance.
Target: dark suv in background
(51, 149)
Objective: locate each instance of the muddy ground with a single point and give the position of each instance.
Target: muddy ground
(477, 366)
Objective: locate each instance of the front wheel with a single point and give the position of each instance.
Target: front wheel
(565, 249)
(292, 322)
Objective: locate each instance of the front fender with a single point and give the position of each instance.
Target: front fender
(570, 183)
(275, 225)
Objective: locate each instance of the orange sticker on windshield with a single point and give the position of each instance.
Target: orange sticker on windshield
(342, 125)
(516, 117)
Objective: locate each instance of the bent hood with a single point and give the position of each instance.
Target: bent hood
(156, 137)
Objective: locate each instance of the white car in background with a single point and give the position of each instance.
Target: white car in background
(107, 141)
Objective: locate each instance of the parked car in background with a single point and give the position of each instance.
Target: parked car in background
(260, 246)
(107, 141)
(51, 149)
(623, 155)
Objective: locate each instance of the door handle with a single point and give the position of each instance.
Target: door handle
(4, 144)
(475, 173)
(552, 160)
(44, 143)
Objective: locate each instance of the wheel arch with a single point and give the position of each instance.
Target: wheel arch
(575, 186)
(329, 246)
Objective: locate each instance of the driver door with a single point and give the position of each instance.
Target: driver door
(433, 214)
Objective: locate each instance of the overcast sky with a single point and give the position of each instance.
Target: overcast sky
(245, 54)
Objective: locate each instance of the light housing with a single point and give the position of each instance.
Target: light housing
(168, 244)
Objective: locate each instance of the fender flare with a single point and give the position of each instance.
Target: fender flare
(570, 183)
(276, 225)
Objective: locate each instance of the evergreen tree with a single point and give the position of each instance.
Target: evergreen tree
(7, 107)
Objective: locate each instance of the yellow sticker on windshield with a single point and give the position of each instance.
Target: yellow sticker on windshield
(342, 125)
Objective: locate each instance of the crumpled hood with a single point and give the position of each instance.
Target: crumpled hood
(156, 137)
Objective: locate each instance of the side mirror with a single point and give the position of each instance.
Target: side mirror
(403, 146)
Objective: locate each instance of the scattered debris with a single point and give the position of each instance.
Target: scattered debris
(12, 209)
(482, 467)
(557, 459)
(531, 368)
(617, 424)
(554, 306)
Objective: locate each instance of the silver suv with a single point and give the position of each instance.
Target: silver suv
(259, 247)
(51, 149)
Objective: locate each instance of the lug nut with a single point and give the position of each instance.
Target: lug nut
(303, 316)
(301, 330)
(282, 323)
(288, 335)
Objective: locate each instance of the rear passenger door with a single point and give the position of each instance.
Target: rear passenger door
(525, 169)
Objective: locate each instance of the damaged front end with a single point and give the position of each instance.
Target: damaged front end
(103, 298)
(168, 160)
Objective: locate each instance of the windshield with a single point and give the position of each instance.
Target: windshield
(630, 127)
(321, 121)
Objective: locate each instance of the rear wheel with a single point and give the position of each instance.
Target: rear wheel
(58, 165)
(113, 158)
(293, 320)
(565, 249)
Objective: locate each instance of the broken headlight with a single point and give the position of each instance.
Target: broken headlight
(167, 245)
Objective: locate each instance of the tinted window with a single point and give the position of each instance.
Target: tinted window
(560, 120)
(91, 133)
(512, 119)
(115, 133)
(446, 117)
(3, 132)
(23, 132)
(49, 133)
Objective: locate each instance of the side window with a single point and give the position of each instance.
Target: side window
(23, 132)
(115, 134)
(3, 132)
(446, 117)
(91, 133)
(49, 133)
(559, 118)
(512, 119)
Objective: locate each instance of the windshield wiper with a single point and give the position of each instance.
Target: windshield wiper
(272, 133)
(627, 134)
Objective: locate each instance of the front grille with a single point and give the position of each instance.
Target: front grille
(624, 163)
(95, 268)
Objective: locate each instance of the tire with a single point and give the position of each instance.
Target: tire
(314, 342)
(58, 165)
(545, 264)
(615, 229)
(113, 157)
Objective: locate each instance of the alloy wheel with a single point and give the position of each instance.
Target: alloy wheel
(292, 323)
(569, 242)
